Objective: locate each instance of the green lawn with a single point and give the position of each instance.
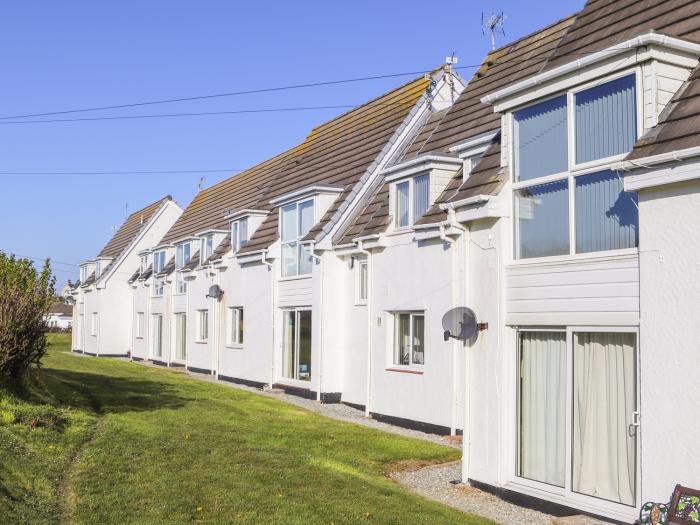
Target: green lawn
(106, 441)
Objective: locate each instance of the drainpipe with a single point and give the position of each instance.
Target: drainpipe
(272, 313)
(320, 334)
(133, 320)
(216, 320)
(368, 403)
(453, 293)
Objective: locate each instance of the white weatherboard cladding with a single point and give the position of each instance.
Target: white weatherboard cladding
(179, 300)
(597, 291)
(669, 356)
(295, 291)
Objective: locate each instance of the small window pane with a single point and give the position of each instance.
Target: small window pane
(306, 217)
(418, 348)
(306, 262)
(542, 219)
(234, 236)
(402, 204)
(607, 217)
(240, 325)
(289, 259)
(421, 196)
(540, 139)
(606, 120)
(289, 222)
(243, 232)
(363, 282)
(402, 340)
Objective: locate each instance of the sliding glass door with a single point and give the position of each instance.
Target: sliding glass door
(181, 337)
(158, 335)
(297, 345)
(577, 412)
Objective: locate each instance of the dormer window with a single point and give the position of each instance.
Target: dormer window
(296, 220)
(83, 273)
(182, 255)
(98, 269)
(206, 248)
(412, 200)
(470, 163)
(158, 261)
(554, 158)
(239, 234)
(143, 264)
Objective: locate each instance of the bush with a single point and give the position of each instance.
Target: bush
(25, 297)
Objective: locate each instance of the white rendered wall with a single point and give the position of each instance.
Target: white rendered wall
(414, 276)
(670, 333)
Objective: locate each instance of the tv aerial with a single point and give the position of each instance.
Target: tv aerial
(493, 23)
(460, 323)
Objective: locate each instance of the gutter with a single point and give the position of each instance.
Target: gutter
(655, 160)
(642, 40)
(469, 201)
(368, 401)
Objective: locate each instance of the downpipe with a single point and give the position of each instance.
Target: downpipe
(320, 330)
(368, 254)
(270, 265)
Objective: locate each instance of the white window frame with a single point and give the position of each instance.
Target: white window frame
(157, 338)
(139, 324)
(236, 332)
(143, 263)
(471, 160)
(206, 247)
(237, 241)
(574, 170)
(158, 261)
(158, 286)
(296, 240)
(395, 341)
(565, 495)
(411, 212)
(180, 259)
(360, 291)
(98, 269)
(202, 326)
(94, 326)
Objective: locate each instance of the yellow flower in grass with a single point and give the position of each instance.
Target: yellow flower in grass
(50, 446)
(200, 509)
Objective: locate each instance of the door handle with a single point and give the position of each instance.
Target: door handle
(633, 427)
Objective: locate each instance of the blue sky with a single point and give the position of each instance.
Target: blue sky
(68, 55)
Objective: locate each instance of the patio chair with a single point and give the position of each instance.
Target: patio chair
(684, 509)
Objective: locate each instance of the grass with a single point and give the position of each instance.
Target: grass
(106, 441)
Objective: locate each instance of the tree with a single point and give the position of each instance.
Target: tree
(26, 295)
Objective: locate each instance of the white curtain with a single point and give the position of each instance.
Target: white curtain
(604, 462)
(421, 196)
(543, 406)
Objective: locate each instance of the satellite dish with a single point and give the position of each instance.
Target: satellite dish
(215, 291)
(459, 323)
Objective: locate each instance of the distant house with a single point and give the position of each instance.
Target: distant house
(60, 316)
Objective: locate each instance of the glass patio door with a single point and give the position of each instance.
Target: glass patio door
(297, 345)
(158, 335)
(577, 412)
(181, 337)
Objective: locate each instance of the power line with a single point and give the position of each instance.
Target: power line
(228, 94)
(200, 114)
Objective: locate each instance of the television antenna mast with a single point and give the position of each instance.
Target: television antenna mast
(200, 184)
(493, 23)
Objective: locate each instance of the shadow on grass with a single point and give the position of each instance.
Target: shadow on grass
(104, 393)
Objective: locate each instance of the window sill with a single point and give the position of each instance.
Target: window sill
(626, 253)
(234, 346)
(202, 342)
(403, 370)
(295, 277)
(361, 303)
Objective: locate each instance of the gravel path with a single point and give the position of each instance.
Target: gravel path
(434, 483)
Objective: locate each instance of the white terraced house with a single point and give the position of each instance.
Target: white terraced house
(556, 194)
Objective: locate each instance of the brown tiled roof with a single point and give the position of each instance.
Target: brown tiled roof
(467, 118)
(134, 276)
(340, 153)
(61, 309)
(89, 280)
(168, 268)
(211, 205)
(604, 23)
(130, 229)
(192, 263)
(679, 123)
(145, 275)
(424, 134)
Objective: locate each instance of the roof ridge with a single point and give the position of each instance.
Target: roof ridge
(530, 35)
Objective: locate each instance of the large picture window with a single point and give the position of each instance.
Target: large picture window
(158, 335)
(296, 221)
(568, 204)
(181, 337)
(597, 396)
(409, 339)
(297, 345)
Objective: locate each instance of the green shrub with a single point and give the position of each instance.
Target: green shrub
(25, 297)
(7, 417)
